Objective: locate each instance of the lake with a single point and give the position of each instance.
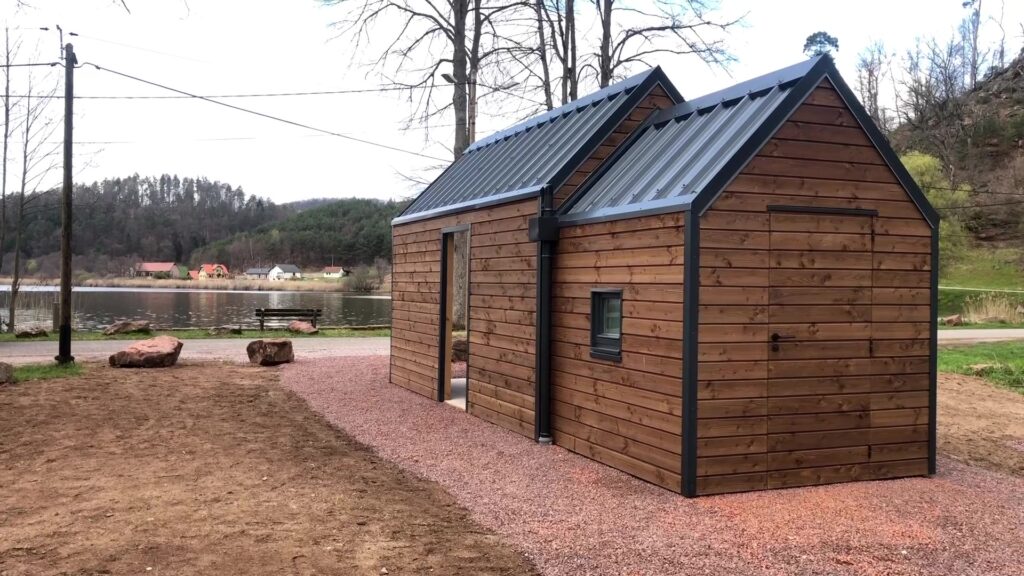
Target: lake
(95, 308)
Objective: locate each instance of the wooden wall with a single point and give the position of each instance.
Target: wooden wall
(624, 414)
(655, 100)
(502, 304)
(825, 414)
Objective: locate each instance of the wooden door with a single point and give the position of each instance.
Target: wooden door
(819, 344)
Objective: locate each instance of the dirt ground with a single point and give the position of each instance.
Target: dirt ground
(212, 469)
(980, 424)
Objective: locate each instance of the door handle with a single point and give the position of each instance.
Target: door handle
(776, 337)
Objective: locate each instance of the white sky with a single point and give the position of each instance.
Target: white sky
(246, 46)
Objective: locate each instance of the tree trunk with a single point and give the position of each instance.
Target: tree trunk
(7, 139)
(542, 53)
(572, 76)
(605, 55)
(16, 275)
(474, 72)
(460, 75)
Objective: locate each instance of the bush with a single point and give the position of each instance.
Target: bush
(993, 307)
(361, 280)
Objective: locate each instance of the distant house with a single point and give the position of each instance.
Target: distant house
(333, 272)
(213, 271)
(257, 273)
(157, 270)
(193, 274)
(284, 272)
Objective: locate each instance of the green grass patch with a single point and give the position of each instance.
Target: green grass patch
(999, 362)
(993, 268)
(30, 372)
(202, 334)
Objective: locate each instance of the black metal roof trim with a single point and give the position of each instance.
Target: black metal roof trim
(882, 144)
(654, 208)
(530, 192)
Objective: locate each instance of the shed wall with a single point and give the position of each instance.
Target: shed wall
(502, 305)
(624, 414)
(852, 427)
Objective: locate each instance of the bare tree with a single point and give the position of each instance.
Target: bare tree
(669, 27)
(38, 158)
(969, 30)
(872, 67)
(9, 52)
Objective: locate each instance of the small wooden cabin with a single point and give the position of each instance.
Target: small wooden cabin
(736, 292)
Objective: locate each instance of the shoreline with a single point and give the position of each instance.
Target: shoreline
(227, 285)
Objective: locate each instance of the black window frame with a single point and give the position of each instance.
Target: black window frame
(601, 346)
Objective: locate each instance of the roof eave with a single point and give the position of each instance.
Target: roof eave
(520, 194)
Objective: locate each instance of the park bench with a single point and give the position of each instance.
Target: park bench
(311, 314)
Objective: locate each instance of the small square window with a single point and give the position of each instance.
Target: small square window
(606, 324)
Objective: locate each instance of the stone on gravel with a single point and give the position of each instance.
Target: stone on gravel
(6, 373)
(159, 352)
(34, 332)
(128, 327)
(270, 352)
(954, 320)
(460, 349)
(224, 330)
(302, 327)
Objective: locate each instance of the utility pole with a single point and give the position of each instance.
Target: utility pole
(64, 346)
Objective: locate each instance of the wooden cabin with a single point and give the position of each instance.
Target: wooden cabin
(730, 293)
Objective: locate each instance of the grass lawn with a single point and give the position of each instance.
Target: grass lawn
(1003, 362)
(201, 334)
(46, 371)
(994, 268)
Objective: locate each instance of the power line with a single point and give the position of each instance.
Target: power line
(252, 95)
(29, 64)
(264, 115)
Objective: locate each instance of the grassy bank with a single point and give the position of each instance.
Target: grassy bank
(201, 334)
(30, 372)
(305, 285)
(999, 362)
(989, 268)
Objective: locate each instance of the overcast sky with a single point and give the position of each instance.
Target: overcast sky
(257, 46)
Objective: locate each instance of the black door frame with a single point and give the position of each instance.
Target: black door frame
(444, 340)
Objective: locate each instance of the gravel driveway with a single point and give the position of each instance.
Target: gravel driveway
(574, 516)
(223, 349)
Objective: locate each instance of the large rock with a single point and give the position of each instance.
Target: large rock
(460, 349)
(128, 327)
(302, 327)
(6, 373)
(224, 330)
(954, 320)
(159, 352)
(270, 352)
(34, 332)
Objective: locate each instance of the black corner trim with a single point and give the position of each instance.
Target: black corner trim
(822, 210)
(442, 326)
(933, 359)
(691, 312)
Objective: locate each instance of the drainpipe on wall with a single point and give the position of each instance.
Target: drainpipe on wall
(543, 230)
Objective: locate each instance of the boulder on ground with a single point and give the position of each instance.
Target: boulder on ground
(954, 320)
(270, 352)
(460, 349)
(224, 330)
(34, 332)
(6, 373)
(159, 352)
(302, 327)
(128, 327)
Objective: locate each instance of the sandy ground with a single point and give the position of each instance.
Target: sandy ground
(980, 424)
(224, 349)
(573, 516)
(212, 469)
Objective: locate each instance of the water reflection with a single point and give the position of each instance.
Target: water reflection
(97, 307)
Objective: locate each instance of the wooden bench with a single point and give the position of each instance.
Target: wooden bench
(311, 314)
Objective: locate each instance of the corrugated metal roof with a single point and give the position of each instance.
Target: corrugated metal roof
(522, 160)
(684, 148)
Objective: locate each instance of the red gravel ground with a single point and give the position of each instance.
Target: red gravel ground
(574, 516)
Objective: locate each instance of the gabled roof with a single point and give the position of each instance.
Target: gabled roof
(212, 268)
(156, 267)
(684, 156)
(541, 152)
(257, 271)
(289, 268)
(333, 269)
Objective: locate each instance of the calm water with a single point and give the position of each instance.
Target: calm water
(98, 307)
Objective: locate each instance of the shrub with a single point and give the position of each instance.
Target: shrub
(993, 307)
(361, 280)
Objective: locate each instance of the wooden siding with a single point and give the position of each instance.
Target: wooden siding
(624, 414)
(502, 297)
(848, 399)
(655, 100)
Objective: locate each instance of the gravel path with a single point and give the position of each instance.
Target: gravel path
(976, 335)
(574, 516)
(223, 349)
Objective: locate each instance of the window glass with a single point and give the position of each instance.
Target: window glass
(611, 316)
(606, 324)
